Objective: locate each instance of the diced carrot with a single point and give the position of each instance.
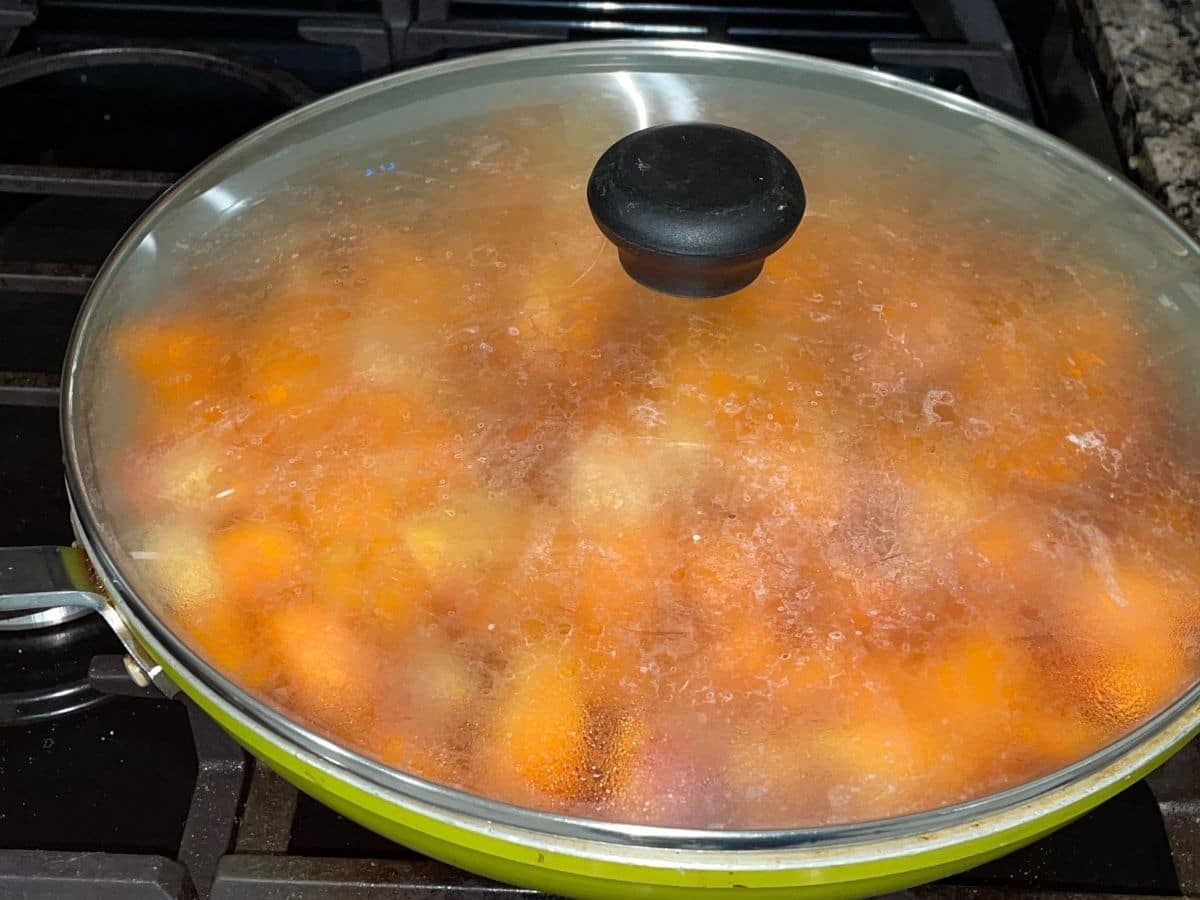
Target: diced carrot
(411, 753)
(1046, 455)
(979, 673)
(180, 366)
(257, 556)
(614, 607)
(971, 686)
(287, 375)
(1130, 620)
(158, 349)
(326, 665)
(227, 636)
(537, 739)
(1060, 736)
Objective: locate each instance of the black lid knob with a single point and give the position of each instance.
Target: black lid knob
(695, 209)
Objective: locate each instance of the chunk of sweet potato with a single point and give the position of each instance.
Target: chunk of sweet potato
(326, 666)
(537, 738)
(256, 557)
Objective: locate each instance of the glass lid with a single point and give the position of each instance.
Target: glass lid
(373, 414)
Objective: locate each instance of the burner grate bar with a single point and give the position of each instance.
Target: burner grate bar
(75, 182)
(46, 278)
(1176, 786)
(28, 395)
(250, 877)
(212, 819)
(993, 70)
(266, 825)
(53, 875)
(270, 80)
(28, 389)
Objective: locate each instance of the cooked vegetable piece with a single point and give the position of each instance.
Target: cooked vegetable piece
(255, 558)
(325, 663)
(537, 738)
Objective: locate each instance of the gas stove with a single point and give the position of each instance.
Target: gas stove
(109, 790)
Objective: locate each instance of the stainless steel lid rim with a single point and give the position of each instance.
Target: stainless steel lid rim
(991, 814)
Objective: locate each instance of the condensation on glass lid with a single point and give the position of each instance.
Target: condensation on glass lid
(910, 520)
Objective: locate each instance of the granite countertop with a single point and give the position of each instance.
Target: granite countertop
(1149, 54)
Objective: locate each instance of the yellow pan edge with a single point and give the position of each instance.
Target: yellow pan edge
(584, 869)
(75, 564)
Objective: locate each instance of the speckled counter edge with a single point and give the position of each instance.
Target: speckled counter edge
(1149, 54)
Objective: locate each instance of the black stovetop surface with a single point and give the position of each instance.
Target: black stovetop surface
(87, 772)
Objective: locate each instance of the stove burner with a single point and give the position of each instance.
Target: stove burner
(105, 199)
(44, 673)
(275, 83)
(23, 707)
(40, 571)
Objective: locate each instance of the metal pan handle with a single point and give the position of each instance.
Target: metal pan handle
(45, 586)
